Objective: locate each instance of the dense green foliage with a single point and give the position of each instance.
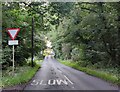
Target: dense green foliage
(15, 15)
(92, 30)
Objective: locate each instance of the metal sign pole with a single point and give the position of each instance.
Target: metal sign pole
(13, 60)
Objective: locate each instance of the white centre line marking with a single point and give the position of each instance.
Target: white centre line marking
(68, 79)
(60, 71)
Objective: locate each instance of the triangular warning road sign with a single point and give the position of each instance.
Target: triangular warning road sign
(13, 32)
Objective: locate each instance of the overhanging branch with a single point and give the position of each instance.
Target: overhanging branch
(89, 9)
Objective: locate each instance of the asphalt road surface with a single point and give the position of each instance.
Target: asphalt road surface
(55, 76)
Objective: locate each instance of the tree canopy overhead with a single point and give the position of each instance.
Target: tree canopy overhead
(78, 30)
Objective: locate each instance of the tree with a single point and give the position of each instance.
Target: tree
(16, 15)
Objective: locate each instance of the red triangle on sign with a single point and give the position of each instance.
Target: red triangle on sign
(13, 32)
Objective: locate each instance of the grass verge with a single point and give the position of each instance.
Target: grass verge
(100, 74)
(21, 75)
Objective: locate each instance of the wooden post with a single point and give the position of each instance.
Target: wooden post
(32, 41)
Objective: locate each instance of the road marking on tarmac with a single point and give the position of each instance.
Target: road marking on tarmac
(53, 81)
(49, 82)
(34, 82)
(68, 79)
(60, 71)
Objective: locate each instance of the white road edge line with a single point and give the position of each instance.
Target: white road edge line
(68, 79)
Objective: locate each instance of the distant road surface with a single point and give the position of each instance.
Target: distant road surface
(55, 76)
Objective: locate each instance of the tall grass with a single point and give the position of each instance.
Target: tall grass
(100, 74)
(22, 75)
